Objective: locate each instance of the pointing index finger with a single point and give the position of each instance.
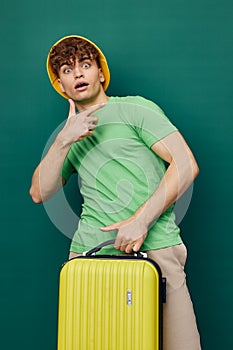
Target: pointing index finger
(94, 108)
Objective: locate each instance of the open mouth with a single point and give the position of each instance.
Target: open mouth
(80, 86)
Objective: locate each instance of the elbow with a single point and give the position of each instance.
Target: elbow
(196, 170)
(190, 171)
(36, 197)
(36, 200)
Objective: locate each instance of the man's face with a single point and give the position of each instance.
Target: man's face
(81, 80)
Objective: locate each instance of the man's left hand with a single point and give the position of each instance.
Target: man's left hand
(131, 234)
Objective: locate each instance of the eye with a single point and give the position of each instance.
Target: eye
(67, 70)
(86, 65)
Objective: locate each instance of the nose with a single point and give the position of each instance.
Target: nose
(78, 73)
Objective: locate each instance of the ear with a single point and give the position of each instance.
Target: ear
(101, 75)
(61, 86)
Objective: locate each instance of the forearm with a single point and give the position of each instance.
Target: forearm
(178, 177)
(47, 178)
(175, 182)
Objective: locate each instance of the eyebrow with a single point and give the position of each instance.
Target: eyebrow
(64, 64)
(84, 59)
(80, 60)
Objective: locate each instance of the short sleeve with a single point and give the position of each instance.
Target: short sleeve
(152, 124)
(67, 169)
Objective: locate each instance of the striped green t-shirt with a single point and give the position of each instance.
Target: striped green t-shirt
(119, 172)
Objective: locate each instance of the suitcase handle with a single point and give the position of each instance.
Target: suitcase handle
(106, 243)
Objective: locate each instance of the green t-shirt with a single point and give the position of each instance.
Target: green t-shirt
(118, 172)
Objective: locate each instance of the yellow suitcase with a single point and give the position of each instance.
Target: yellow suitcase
(110, 303)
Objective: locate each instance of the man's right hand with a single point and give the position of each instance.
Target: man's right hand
(78, 126)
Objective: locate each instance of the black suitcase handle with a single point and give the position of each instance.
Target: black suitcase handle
(106, 243)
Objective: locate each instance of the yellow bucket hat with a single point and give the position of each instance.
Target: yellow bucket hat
(102, 60)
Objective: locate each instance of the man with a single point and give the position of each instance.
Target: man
(133, 163)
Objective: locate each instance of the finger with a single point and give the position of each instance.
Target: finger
(94, 108)
(138, 245)
(129, 248)
(72, 110)
(92, 119)
(109, 228)
(91, 127)
(92, 122)
(117, 242)
(88, 133)
(123, 247)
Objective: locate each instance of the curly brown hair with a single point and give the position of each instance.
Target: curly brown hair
(68, 50)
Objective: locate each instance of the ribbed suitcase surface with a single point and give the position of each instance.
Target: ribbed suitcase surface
(109, 304)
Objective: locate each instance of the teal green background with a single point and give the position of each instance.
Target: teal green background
(177, 53)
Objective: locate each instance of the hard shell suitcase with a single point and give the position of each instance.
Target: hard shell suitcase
(109, 302)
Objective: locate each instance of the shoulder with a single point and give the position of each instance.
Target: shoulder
(139, 101)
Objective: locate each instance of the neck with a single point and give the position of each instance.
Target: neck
(83, 105)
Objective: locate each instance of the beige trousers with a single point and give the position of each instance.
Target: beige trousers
(179, 323)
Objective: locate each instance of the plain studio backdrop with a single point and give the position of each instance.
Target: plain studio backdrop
(177, 53)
